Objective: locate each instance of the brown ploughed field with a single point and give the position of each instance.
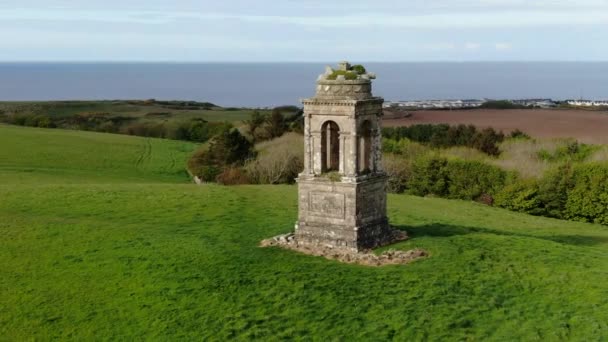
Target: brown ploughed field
(585, 125)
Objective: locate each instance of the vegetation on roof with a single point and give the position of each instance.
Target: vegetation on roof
(352, 73)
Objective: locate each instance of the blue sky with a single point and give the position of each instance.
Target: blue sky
(304, 30)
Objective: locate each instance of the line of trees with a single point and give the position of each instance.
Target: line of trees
(262, 127)
(196, 129)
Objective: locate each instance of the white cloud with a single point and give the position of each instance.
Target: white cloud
(472, 46)
(439, 46)
(503, 46)
(508, 19)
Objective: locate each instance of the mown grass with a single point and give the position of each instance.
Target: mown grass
(139, 258)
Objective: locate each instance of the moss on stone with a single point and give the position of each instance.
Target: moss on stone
(359, 69)
(349, 75)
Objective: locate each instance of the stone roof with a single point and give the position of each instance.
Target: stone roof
(345, 83)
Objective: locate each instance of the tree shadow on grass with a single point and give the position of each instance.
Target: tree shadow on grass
(446, 230)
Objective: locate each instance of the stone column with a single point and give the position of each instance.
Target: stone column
(343, 156)
(354, 138)
(315, 144)
(376, 151)
(308, 169)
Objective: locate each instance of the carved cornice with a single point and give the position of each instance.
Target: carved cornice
(340, 102)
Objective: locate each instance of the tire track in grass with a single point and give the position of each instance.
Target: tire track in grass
(144, 156)
(172, 154)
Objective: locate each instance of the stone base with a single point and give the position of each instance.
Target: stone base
(363, 257)
(346, 237)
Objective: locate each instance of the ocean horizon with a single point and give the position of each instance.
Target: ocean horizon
(270, 84)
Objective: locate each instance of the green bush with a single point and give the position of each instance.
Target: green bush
(399, 172)
(571, 150)
(470, 179)
(588, 199)
(522, 196)
(359, 69)
(517, 134)
(228, 149)
(429, 177)
(405, 148)
(255, 121)
(276, 124)
(458, 179)
(554, 188)
(208, 173)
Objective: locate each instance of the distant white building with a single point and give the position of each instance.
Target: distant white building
(587, 103)
(542, 103)
(435, 104)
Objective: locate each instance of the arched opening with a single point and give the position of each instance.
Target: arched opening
(330, 147)
(365, 146)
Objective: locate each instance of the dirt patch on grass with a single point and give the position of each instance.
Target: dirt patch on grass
(583, 125)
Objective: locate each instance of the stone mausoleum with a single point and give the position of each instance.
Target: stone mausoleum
(342, 190)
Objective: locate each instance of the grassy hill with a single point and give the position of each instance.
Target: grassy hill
(33, 155)
(96, 245)
(136, 109)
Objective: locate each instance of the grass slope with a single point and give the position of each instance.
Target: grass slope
(136, 109)
(43, 155)
(126, 260)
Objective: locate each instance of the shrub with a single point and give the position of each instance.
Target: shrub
(487, 141)
(232, 176)
(554, 188)
(198, 130)
(405, 148)
(359, 69)
(144, 129)
(522, 196)
(521, 155)
(399, 172)
(255, 121)
(279, 161)
(276, 124)
(517, 134)
(429, 176)
(200, 165)
(107, 127)
(297, 123)
(29, 119)
(568, 150)
(588, 199)
(229, 148)
(471, 179)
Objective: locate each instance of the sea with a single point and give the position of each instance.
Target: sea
(274, 84)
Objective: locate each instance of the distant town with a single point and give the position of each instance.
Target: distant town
(476, 103)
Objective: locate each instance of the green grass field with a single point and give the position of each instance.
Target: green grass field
(35, 155)
(136, 109)
(100, 245)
